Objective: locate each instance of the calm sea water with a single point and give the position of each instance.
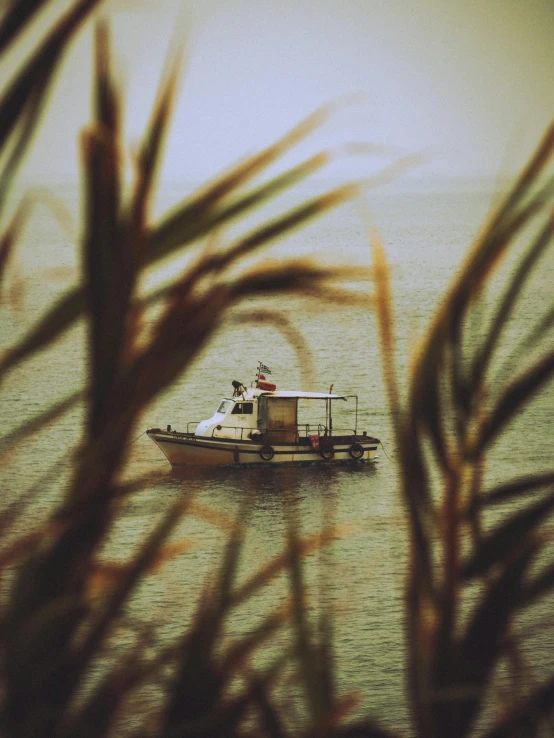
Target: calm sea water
(361, 577)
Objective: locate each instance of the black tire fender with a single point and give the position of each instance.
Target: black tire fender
(327, 452)
(356, 451)
(266, 453)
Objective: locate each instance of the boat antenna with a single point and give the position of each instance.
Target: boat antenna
(258, 373)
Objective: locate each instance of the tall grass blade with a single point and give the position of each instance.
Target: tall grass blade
(15, 18)
(283, 225)
(20, 139)
(536, 335)
(267, 573)
(228, 184)
(36, 424)
(108, 264)
(507, 305)
(529, 175)
(525, 718)
(516, 489)
(38, 665)
(383, 299)
(499, 545)
(291, 276)
(30, 86)
(270, 719)
(14, 509)
(257, 689)
(540, 586)
(149, 155)
(303, 646)
(240, 652)
(10, 237)
(184, 226)
(197, 690)
(49, 326)
(460, 694)
(177, 233)
(195, 693)
(518, 392)
(141, 563)
(485, 255)
(98, 715)
(231, 562)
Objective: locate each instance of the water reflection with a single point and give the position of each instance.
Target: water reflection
(358, 577)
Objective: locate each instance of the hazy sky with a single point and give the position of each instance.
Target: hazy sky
(471, 82)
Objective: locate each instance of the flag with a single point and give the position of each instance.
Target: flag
(264, 368)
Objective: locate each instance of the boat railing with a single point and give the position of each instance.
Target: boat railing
(322, 430)
(301, 429)
(245, 432)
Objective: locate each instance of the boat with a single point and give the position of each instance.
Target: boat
(259, 425)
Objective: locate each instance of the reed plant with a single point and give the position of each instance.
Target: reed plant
(57, 632)
(461, 400)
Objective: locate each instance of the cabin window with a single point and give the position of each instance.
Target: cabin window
(224, 406)
(243, 408)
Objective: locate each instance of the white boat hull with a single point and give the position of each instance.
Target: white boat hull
(186, 449)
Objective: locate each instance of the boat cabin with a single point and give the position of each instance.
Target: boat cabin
(272, 415)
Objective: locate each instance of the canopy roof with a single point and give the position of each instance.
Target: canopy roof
(295, 394)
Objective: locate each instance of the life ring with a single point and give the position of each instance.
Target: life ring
(266, 453)
(327, 452)
(356, 451)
